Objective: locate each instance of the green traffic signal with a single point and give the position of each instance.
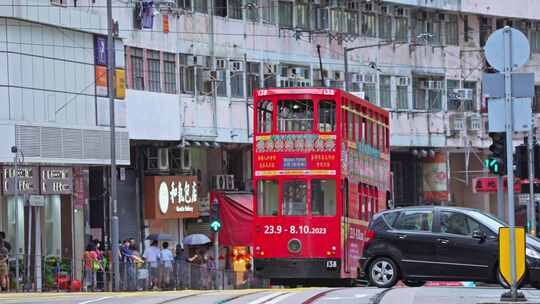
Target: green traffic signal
(495, 165)
(215, 225)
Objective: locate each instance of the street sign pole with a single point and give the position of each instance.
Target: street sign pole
(216, 259)
(500, 198)
(509, 153)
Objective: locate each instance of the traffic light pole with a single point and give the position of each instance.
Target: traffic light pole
(500, 197)
(216, 259)
(509, 156)
(531, 210)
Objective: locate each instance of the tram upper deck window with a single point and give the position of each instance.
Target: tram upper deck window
(295, 115)
(323, 197)
(327, 116)
(267, 198)
(264, 116)
(295, 197)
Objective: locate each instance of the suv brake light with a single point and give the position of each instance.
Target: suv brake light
(370, 234)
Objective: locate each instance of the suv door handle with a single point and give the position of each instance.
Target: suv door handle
(402, 236)
(443, 241)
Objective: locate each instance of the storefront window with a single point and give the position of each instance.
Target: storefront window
(294, 197)
(295, 115)
(267, 197)
(53, 225)
(12, 222)
(323, 197)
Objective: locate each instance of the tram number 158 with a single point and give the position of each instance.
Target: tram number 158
(331, 264)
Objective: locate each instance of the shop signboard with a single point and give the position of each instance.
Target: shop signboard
(56, 180)
(171, 197)
(28, 180)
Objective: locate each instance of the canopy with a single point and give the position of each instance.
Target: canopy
(236, 215)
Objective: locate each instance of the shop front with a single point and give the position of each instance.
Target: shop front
(46, 217)
(168, 202)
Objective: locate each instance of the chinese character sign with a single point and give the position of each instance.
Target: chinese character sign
(171, 197)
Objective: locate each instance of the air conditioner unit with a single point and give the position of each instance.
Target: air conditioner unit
(230, 182)
(431, 85)
(370, 78)
(298, 73)
(457, 123)
(221, 64)
(474, 123)
(401, 12)
(219, 182)
(402, 81)
(463, 94)
(196, 60)
(237, 66)
(356, 77)
(163, 159)
(270, 68)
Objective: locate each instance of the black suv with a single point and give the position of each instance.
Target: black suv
(419, 244)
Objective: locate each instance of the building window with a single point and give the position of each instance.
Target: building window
(452, 30)
(303, 15)
(402, 29)
(457, 101)
(187, 75)
(137, 68)
(200, 6)
(338, 20)
(267, 197)
(253, 77)
(466, 29)
(370, 92)
(237, 84)
(327, 116)
(220, 8)
(322, 22)
(485, 29)
(204, 85)
(184, 4)
(221, 86)
(295, 115)
(385, 27)
(268, 11)
(534, 38)
(235, 9)
(453, 103)
(285, 14)
(265, 115)
(323, 197)
(169, 71)
(402, 94)
(469, 104)
(154, 74)
(369, 24)
(269, 75)
(252, 10)
(385, 90)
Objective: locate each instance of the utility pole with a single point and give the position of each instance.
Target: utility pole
(17, 220)
(531, 210)
(113, 195)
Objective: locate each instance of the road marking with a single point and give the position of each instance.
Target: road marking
(95, 300)
(279, 298)
(267, 298)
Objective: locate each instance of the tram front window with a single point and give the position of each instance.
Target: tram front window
(267, 198)
(295, 115)
(323, 197)
(295, 197)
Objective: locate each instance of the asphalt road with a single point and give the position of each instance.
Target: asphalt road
(357, 295)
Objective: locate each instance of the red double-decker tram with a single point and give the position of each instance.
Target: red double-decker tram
(321, 170)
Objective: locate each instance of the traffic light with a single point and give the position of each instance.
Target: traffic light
(522, 161)
(496, 163)
(215, 223)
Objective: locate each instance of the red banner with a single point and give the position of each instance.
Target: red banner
(489, 184)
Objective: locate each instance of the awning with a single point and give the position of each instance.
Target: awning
(236, 215)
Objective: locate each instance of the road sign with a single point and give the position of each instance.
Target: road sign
(504, 253)
(523, 198)
(489, 184)
(36, 200)
(215, 226)
(494, 49)
(521, 114)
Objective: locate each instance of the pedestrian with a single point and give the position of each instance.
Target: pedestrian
(166, 259)
(151, 256)
(91, 266)
(126, 263)
(139, 272)
(180, 262)
(6, 243)
(100, 275)
(4, 269)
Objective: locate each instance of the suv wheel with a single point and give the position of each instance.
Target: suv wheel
(410, 283)
(383, 273)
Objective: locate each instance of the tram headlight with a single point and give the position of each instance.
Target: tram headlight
(294, 246)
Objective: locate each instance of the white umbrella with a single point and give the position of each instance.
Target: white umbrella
(196, 239)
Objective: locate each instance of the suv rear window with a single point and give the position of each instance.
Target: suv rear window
(390, 217)
(415, 220)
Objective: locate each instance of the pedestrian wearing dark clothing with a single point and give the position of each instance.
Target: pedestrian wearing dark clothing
(7, 245)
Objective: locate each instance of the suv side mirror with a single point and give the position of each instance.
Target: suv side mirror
(477, 234)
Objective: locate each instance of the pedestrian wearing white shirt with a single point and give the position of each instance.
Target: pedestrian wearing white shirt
(151, 256)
